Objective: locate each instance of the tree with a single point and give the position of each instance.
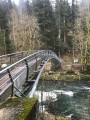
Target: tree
(73, 23)
(84, 21)
(43, 10)
(2, 42)
(5, 7)
(29, 7)
(24, 28)
(62, 22)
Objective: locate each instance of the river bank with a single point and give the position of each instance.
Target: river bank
(69, 99)
(65, 76)
(24, 109)
(52, 117)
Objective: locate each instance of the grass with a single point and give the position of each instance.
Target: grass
(61, 118)
(66, 77)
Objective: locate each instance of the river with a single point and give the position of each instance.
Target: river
(67, 99)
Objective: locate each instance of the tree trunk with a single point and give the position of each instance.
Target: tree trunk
(59, 36)
(4, 43)
(73, 52)
(64, 37)
(15, 42)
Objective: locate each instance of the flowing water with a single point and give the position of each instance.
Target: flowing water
(68, 99)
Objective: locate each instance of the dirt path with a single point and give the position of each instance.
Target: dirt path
(8, 113)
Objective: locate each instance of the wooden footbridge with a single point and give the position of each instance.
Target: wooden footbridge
(23, 71)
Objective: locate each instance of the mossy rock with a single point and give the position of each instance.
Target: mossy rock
(89, 96)
(24, 108)
(51, 117)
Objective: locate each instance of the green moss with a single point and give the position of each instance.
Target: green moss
(85, 77)
(11, 103)
(66, 77)
(29, 110)
(89, 96)
(87, 71)
(61, 118)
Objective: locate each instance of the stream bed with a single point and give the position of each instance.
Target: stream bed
(67, 99)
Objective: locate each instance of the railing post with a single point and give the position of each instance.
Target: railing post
(48, 52)
(10, 59)
(22, 55)
(41, 57)
(10, 76)
(44, 53)
(36, 61)
(27, 69)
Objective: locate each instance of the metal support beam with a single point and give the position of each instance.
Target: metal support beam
(11, 79)
(27, 69)
(19, 91)
(36, 60)
(10, 59)
(29, 81)
(22, 55)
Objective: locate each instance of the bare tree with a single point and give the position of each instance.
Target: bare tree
(24, 30)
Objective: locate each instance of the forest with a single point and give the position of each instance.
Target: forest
(37, 24)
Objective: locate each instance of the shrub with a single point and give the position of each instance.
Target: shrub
(71, 72)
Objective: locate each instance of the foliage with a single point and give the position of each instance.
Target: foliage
(61, 118)
(19, 26)
(5, 7)
(87, 71)
(2, 42)
(71, 72)
(61, 46)
(61, 15)
(44, 12)
(38, 25)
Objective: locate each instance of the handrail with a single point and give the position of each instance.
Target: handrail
(29, 64)
(37, 79)
(9, 59)
(23, 60)
(17, 63)
(18, 53)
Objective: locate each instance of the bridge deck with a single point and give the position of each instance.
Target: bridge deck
(5, 80)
